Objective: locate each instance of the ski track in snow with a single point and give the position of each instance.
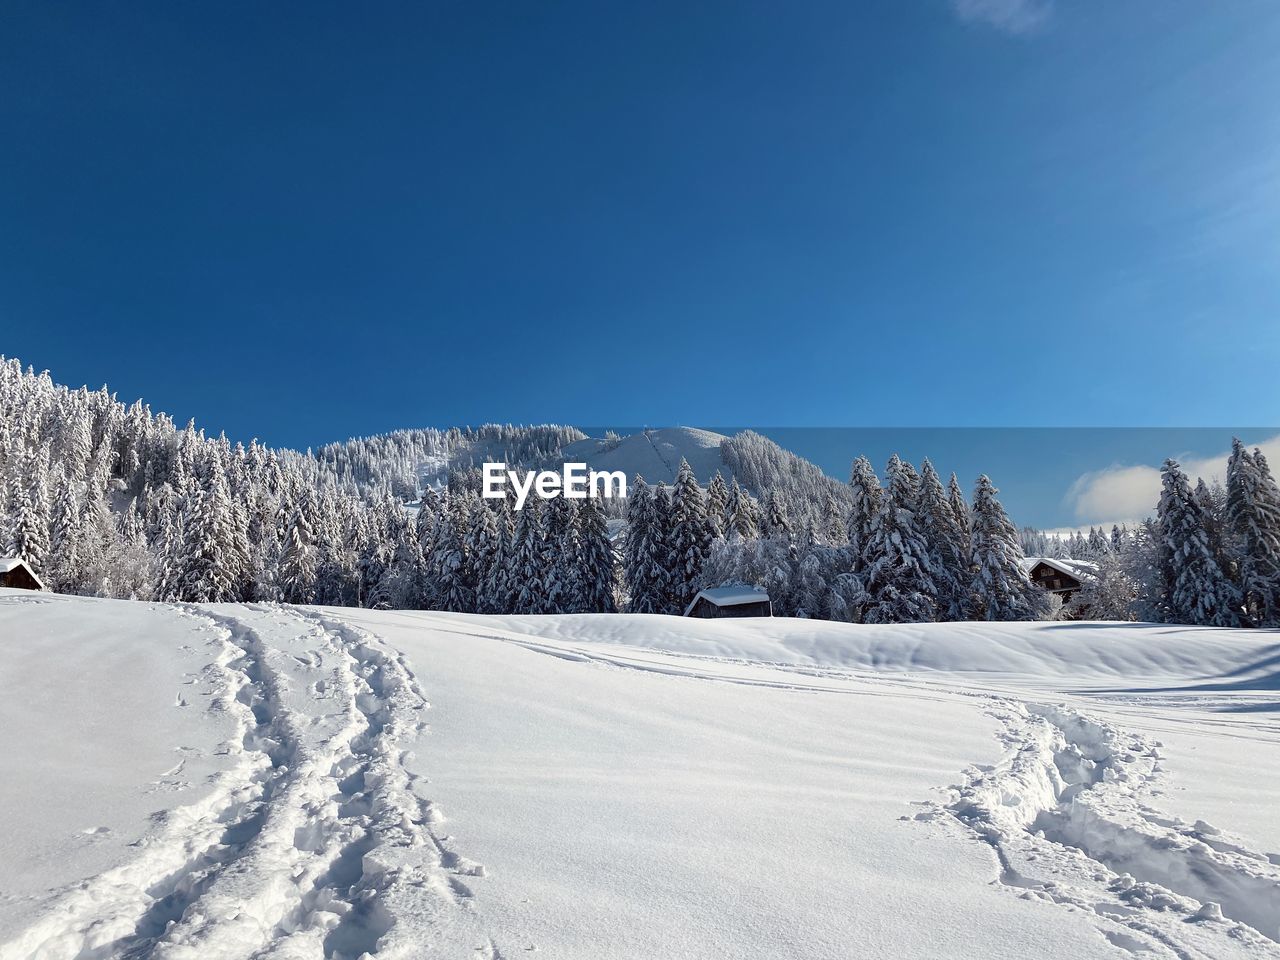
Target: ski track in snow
(1066, 813)
(314, 843)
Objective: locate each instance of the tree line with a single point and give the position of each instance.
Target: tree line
(108, 500)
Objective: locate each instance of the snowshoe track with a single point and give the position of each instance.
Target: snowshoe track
(315, 840)
(1066, 813)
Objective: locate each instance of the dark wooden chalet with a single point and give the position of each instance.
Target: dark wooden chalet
(1063, 577)
(15, 573)
(721, 602)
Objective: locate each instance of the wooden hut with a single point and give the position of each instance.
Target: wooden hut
(15, 573)
(730, 602)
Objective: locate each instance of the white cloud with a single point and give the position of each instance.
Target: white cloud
(1122, 494)
(1011, 16)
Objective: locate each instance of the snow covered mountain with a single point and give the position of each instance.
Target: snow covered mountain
(655, 454)
(231, 781)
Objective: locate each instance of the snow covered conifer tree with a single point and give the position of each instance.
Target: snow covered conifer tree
(643, 569)
(211, 561)
(483, 547)
(777, 523)
(527, 559)
(595, 560)
(743, 516)
(29, 538)
(896, 562)
(867, 497)
(691, 536)
(959, 511)
(1195, 589)
(495, 593)
(948, 551)
(718, 505)
(64, 570)
(1253, 529)
(558, 557)
(297, 574)
(447, 562)
(1001, 589)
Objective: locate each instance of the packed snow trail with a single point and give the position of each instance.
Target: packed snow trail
(1066, 812)
(307, 840)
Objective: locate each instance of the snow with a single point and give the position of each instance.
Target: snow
(622, 786)
(654, 454)
(731, 596)
(1078, 569)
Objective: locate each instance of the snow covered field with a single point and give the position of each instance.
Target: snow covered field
(267, 781)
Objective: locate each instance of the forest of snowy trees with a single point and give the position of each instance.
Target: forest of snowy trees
(108, 500)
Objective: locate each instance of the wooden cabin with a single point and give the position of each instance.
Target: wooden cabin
(1063, 577)
(724, 602)
(15, 573)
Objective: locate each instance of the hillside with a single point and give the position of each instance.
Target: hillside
(654, 454)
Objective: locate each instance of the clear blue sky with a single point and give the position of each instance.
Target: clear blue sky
(310, 221)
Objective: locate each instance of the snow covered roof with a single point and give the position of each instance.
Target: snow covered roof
(1076, 569)
(13, 563)
(729, 596)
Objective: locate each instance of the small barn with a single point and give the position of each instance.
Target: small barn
(1063, 577)
(15, 573)
(721, 602)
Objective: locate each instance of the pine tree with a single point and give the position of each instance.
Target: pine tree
(948, 549)
(867, 500)
(896, 560)
(496, 593)
(448, 587)
(214, 554)
(642, 569)
(298, 556)
(1252, 522)
(1001, 589)
(743, 515)
(777, 523)
(718, 505)
(557, 557)
(691, 537)
(1195, 589)
(595, 560)
(527, 559)
(29, 497)
(65, 573)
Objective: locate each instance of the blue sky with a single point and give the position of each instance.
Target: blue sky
(310, 221)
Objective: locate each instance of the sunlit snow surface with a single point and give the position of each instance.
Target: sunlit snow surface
(261, 781)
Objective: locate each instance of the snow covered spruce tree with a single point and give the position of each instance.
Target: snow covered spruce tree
(495, 592)
(718, 505)
(297, 576)
(447, 586)
(743, 513)
(896, 564)
(645, 576)
(948, 546)
(691, 536)
(526, 561)
(596, 561)
(214, 556)
(1001, 589)
(1194, 587)
(1253, 532)
(867, 499)
(30, 509)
